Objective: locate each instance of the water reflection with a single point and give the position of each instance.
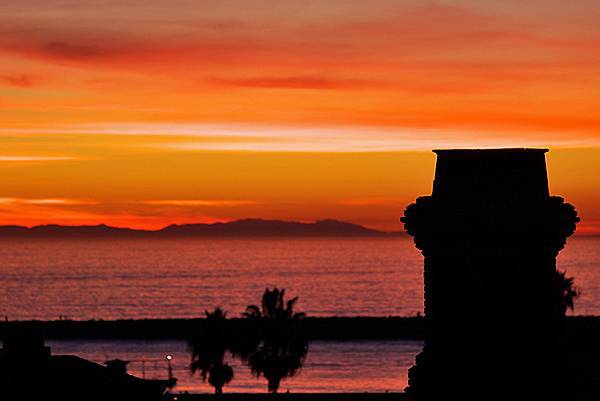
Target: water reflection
(365, 366)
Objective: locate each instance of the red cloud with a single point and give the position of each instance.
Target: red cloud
(18, 80)
(71, 51)
(295, 82)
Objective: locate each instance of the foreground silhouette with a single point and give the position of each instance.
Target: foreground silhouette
(208, 352)
(494, 302)
(283, 346)
(273, 343)
(28, 371)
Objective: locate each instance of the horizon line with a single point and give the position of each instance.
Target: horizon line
(311, 222)
(584, 233)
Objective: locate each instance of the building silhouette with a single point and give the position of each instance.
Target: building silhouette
(29, 371)
(490, 233)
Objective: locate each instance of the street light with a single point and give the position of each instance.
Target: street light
(169, 367)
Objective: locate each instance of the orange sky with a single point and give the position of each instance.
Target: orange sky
(146, 113)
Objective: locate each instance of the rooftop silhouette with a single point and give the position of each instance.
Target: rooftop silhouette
(28, 370)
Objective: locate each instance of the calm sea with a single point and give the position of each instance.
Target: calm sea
(92, 279)
(370, 366)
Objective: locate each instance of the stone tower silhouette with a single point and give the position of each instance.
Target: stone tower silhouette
(490, 233)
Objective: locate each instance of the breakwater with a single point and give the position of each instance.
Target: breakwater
(329, 328)
(316, 328)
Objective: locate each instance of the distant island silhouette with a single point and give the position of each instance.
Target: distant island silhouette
(237, 228)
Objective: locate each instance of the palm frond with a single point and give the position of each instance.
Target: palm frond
(252, 311)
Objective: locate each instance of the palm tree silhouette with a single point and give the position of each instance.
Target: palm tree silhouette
(273, 307)
(220, 375)
(208, 352)
(282, 347)
(566, 291)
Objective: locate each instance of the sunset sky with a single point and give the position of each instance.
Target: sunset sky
(146, 113)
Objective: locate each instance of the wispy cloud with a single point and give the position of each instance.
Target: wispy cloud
(200, 202)
(130, 213)
(71, 51)
(10, 158)
(362, 139)
(295, 82)
(17, 80)
(330, 139)
(369, 201)
(46, 201)
(59, 202)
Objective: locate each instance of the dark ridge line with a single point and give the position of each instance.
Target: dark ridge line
(237, 228)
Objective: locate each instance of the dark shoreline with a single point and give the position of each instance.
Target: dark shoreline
(317, 328)
(289, 397)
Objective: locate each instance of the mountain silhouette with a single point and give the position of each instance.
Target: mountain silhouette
(238, 228)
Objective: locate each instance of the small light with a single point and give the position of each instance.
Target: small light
(169, 357)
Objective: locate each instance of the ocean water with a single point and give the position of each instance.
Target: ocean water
(110, 279)
(368, 366)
